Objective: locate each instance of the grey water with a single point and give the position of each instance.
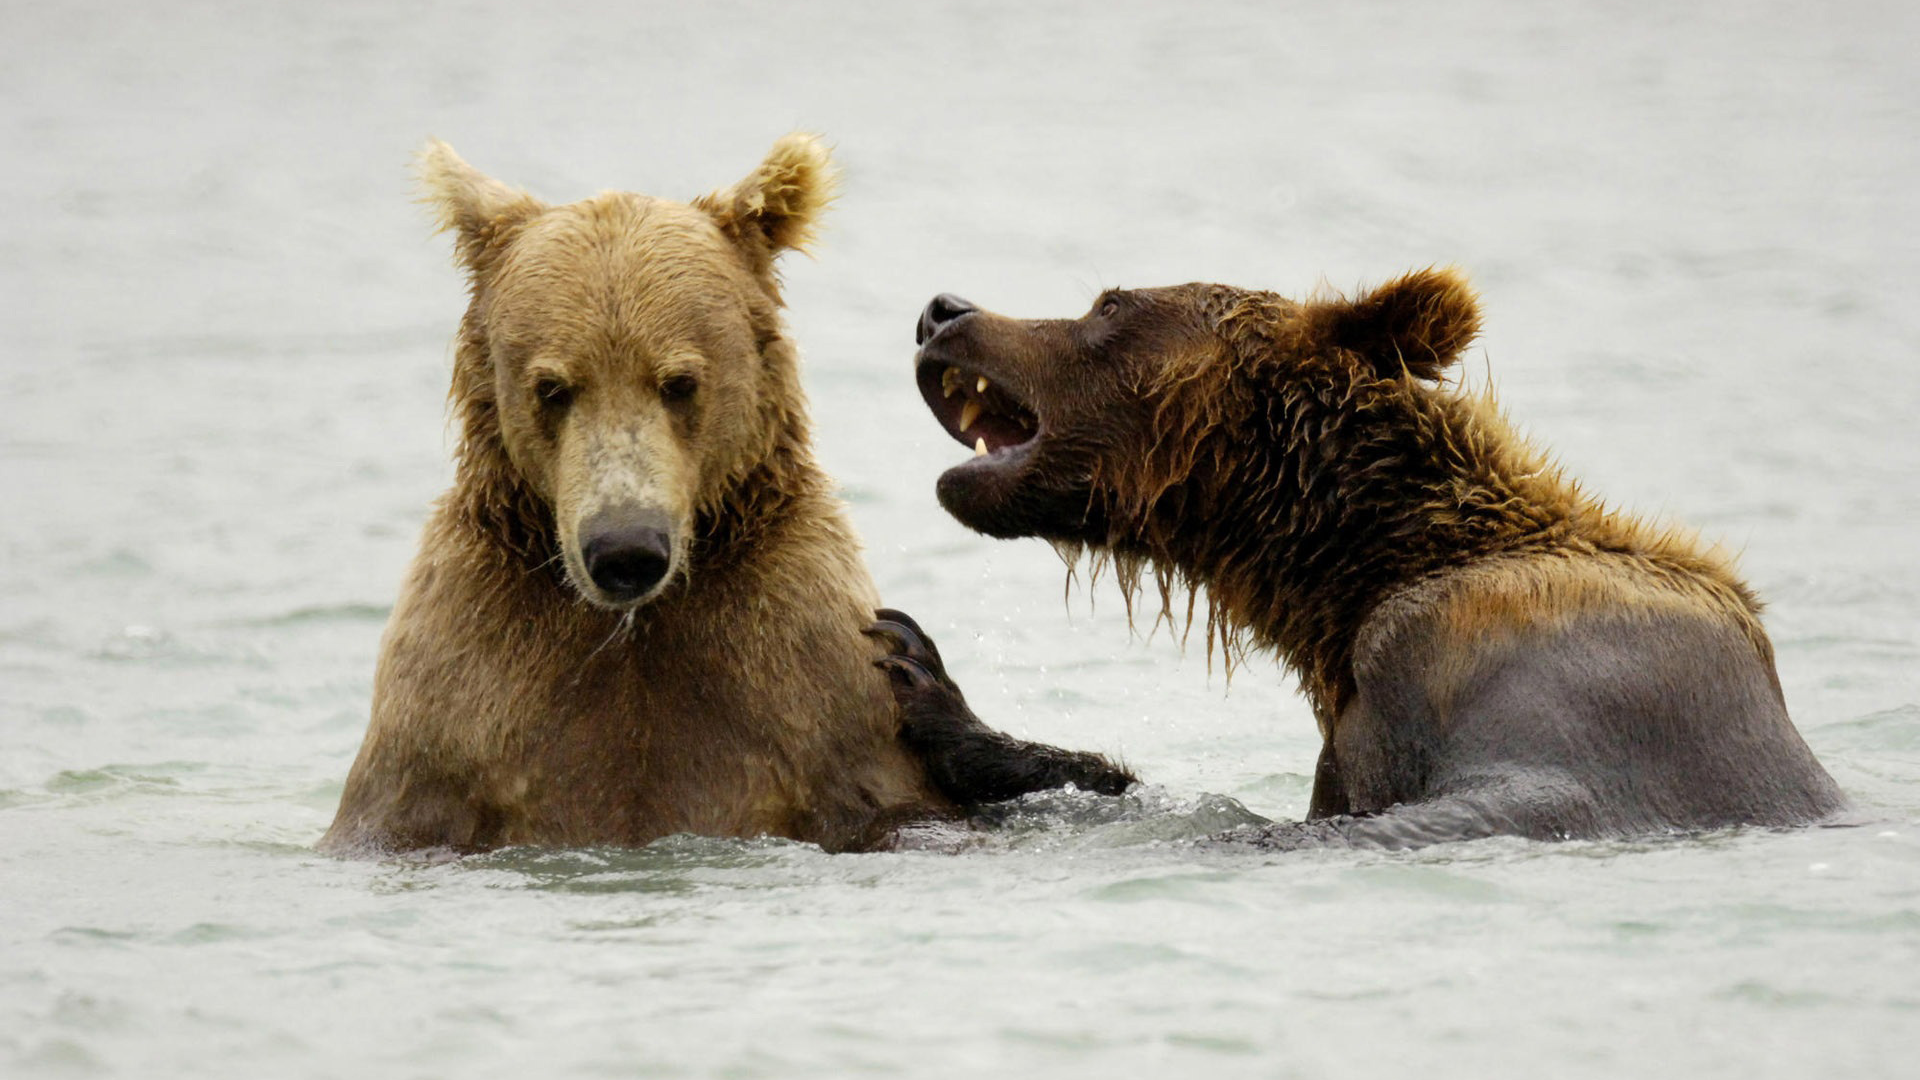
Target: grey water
(221, 423)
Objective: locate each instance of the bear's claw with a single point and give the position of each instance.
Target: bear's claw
(920, 681)
(907, 673)
(905, 638)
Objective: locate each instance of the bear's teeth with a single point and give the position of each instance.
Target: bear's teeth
(949, 381)
(979, 448)
(981, 386)
(968, 414)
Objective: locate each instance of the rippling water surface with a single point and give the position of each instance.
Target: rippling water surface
(221, 423)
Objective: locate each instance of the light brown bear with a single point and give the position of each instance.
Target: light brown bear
(1488, 649)
(639, 611)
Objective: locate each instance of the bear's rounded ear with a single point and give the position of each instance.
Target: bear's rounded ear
(1416, 324)
(480, 210)
(778, 207)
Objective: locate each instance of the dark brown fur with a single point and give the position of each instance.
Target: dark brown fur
(1480, 639)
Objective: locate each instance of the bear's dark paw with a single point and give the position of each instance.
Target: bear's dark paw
(932, 708)
(968, 761)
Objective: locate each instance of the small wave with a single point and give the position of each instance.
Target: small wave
(350, 612)
(1897, 728)
(213, 933)
(142, 644)
(119, 562)
(111, 781)
(672, 864)
(95, 936)
(1145, 815)
(137, 642)
(679, 864)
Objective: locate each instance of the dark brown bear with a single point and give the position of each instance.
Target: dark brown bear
(1488, 650)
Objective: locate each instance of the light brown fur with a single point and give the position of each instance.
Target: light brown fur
(627, 352)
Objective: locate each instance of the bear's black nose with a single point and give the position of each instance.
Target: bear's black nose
(626, 554)
(941, 310)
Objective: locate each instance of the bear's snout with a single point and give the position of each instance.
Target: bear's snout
(940, 311)
(627, 554)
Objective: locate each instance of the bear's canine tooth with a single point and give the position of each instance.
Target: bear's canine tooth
(980, 447)
(981, 386)
(949, 381)
(968, 414)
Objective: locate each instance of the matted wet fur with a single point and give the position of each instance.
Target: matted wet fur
(639, 610)
(1487, 648)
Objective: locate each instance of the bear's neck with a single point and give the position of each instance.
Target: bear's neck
(1300, 521)
(787, 485)
(492, 501)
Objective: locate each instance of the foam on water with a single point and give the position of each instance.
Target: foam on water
(221, 423)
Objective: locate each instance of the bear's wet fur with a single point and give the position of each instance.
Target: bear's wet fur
(639, 610)
(1487, 648)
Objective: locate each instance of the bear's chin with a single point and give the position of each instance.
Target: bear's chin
(1001, 499)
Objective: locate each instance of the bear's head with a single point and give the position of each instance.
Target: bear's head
(1155, 400)
(622, 367)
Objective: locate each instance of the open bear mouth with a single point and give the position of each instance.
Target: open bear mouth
(977, 412)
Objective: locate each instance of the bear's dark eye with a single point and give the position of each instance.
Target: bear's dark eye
(553, 393)
(679, 389)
